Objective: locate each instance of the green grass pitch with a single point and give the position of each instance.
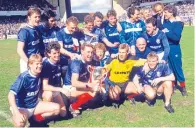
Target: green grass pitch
(127, 115)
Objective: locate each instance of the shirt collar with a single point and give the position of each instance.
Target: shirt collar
(66, 30)
(31, 74)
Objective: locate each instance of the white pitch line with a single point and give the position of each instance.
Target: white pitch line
(6, 116)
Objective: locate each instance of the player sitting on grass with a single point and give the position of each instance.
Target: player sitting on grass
(155, 79)
(51, 76)
(23, 95)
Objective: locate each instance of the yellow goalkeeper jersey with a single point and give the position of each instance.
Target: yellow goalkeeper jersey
(120, 71)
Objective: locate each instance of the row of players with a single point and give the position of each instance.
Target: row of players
(44, 77)
(34, 39)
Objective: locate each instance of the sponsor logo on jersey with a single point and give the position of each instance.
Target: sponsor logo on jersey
(35, 42)
(32, 93)
(114, 34)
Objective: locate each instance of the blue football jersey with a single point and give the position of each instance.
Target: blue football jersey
(70, 43)
(113, 36)
(142, 55)
(131, 31)
(48, 34)
(52, 72)
(158, 43)
(32, 39)
(94, 40)
(161, 70)
(26, 89)
(78, 67)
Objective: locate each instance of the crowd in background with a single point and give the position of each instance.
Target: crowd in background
(21, 5)
(10, 25)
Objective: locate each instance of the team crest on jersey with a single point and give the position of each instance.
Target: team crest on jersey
(158, 74)
(158, 41)
(138, 25)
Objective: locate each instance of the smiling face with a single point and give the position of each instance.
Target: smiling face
(141, 44)
(71, 27)
(54, 55)
(122, 54)
(34, 19)
(136, 15)
(112, 20)
(98, 21)
(99, 53)
(150, 28)
(152, 62)
(51, 22)
(87, 54)
(168, 15)
(159, 10)
(89, 26)
(36, 67)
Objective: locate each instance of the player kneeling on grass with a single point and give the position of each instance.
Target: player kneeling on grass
(23, 95)
(155, 79)
(77, 79)
(51, 75)
(120, 69)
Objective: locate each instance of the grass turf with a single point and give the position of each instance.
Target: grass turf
(127, 115)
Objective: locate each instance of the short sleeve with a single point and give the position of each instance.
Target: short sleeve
(17, 85)
(45, 71)
(59, 36)
(75, 67)
(22, 35)
(166, 70)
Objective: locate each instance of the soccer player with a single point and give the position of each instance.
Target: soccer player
(119, 70)
(49, 29)
(141, 50)
(112, 32)
(156, 79)
(97, 34)
(29, 38)
(69, 44)
(132, 28)
(51, 77)
(77, 79)
(173, 30)
(23, 95)
(156, 40)
(158, 8)
(100, 58)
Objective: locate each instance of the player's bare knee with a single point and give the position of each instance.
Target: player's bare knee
(47, 96)
(63, 112)
(56, 109)
(150, 95)
(168, 84)
(19, 124)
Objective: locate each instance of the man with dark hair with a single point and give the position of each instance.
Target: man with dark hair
(132, 28)
(49, 29)
(51, 77)
(173, 30)
(156, 40)
(98, 19)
